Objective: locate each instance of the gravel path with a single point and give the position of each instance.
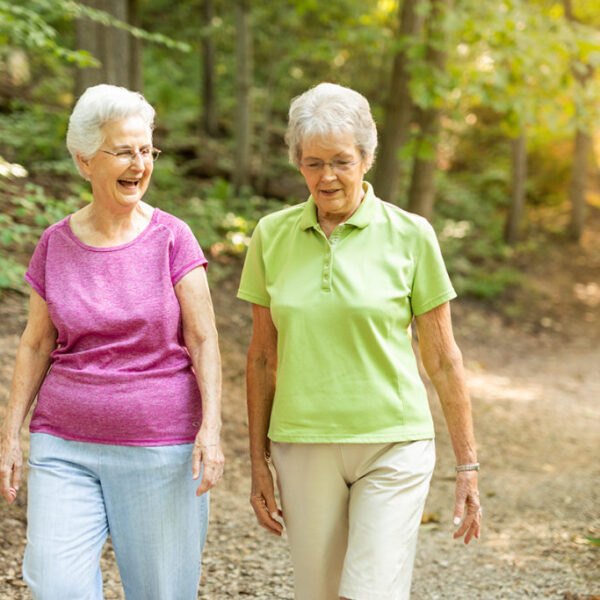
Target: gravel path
(536, 405)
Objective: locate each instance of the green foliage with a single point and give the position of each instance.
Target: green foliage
(593, 540)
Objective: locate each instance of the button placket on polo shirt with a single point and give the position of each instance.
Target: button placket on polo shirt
(327, 277)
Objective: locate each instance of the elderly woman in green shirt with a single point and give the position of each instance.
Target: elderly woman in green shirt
(334, 395)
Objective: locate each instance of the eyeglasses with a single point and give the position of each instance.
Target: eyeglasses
(129, 156)
(339, 166)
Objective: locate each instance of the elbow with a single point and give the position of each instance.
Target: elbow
(444, 365)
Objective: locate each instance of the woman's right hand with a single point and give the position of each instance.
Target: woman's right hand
(262, 499)
(11, 463)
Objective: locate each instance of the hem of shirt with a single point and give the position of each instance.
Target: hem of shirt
(254, 299)
(405, 436)
(145, 443)
(435, 302)
(190, 267)
(35, 285)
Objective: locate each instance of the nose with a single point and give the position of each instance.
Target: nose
(137, 156)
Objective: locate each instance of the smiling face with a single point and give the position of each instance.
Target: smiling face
(337, 193)
(118, 182)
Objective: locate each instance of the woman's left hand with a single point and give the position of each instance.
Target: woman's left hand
(208, 453)
(467, 510)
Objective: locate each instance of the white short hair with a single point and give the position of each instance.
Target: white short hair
(326, 110)
(97, 106)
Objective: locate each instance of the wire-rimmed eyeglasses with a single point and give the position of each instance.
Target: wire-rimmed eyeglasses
(129, 156)
(339, 165)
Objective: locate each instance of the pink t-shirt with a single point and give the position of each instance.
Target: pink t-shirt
(121, 373)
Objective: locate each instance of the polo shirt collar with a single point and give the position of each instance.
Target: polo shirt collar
(360, 219)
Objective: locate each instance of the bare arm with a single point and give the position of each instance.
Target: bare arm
(31, 365)
(442, 360)
(201, 341)
(260, 383)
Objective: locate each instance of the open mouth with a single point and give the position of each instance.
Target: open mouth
(130, 184)
(329, 192)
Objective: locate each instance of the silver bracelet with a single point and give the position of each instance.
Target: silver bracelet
(471, 467)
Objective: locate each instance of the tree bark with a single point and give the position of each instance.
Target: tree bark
(517, 200)
(422, 185)
(111, 46)
(241, 170)
(209, 115)
(114, 46)
(579, 173)
(136, 81)
(398, 109)
(87, 38)
(582, 147)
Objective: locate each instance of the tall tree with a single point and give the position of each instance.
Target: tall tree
(209, 97)
(422, 185)
(119, 56)
(398, 107)
(582, 72)
(519, 179)
(136, 81)
(243, 128)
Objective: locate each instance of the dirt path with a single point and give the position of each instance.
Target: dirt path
(536, 400)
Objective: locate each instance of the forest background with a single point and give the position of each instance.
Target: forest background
(488, 114)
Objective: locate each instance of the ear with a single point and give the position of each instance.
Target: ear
(84, 165)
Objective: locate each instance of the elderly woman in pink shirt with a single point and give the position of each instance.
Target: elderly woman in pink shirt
(121, 350)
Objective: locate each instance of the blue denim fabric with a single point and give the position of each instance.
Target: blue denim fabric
(144, 497)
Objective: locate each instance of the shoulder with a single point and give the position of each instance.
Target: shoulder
(286, 217)
(56, 229)
(175, 227)
(408, 223)
(168, 221)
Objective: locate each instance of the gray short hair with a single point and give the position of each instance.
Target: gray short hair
(97, 106)
(331, 109)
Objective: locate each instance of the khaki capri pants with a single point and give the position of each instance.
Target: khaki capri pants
(352, 514)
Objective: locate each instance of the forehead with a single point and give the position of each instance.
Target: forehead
(329, 145)
(128, 131)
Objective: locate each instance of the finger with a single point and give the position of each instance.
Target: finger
(212, 473)
(459, 510)
(265, 517)
(469, 526)
(16, 477)
(196, 462)
(474, 529)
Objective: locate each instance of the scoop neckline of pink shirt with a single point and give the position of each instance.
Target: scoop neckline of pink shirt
(135, 240)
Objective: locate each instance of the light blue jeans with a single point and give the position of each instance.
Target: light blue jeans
(144, 497)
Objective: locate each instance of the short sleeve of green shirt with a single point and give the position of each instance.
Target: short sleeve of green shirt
(431, 285)
(252, 283)
(342, 308)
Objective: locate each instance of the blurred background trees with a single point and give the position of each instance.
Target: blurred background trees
(487, 113)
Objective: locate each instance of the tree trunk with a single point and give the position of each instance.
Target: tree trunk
(209, 116)
(87, 38)
(517, 201)
(111, 46)
(583, 145)
(243, 100)
(136, 81)
(422, 185)
(114, 46)
(398, 109)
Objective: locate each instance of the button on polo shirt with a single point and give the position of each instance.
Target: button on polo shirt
(342, 308)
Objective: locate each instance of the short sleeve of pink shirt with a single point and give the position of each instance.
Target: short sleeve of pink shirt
(120, 373)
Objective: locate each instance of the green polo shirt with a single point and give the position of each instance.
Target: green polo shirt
(342, 308)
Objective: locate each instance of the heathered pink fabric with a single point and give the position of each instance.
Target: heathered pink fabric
(120, 373)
